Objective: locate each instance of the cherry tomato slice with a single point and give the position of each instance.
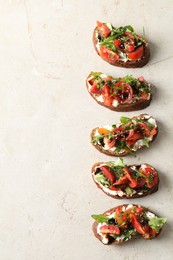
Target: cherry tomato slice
(94, 89)
(124, 92)
(117, 44)
(108, 55)
(132, 182)
(141, 79)
(108, 174)
(107, 95)
(145, 128)
(137, 54)
(153, 132)
(110, 229)
(143, 230)
(151, 176)
(121, 181)
(136, 136)
(103, 29)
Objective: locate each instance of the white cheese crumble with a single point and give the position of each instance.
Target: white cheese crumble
(99, 98)
(112, 192)
(115, 103)
(150, 215)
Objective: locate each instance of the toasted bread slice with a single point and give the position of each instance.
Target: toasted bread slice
(124, 222)
(121, 181)
(126, 137)
(119, 94)
(121, 46)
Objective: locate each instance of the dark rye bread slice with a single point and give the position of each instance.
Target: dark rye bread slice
(150, 191)
(128, 64)
(109, 212)
(126, 107)
(114, 153)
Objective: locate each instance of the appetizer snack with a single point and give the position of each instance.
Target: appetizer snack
(122, 181)
(125, 222)
(119, 94)
(121, 46)
(126, 137)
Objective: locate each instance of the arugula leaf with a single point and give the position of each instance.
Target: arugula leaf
(96, 74)
(96, 138)
(129, 191)
(157, 223)
(100, 218)
(129, 27)
(145, 142)
(125, 120)
(99, 177)
(119, 162)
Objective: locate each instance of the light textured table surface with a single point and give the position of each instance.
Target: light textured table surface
(46, 114)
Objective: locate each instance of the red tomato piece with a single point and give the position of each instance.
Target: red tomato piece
(110, 229)
(94, 89)
(128, 34)
(130, 48)
(141, 79)
(113, 188)
(108, 55)
(132, 182)
(138, 210)
(153, 132)
(124, 92)
(151, 175)
(107, 95)
(108, 174)
(137, 54)
(108, 142)
(144, 95)
(121, 181)
(143, 230)
(136, 136)
(145, 128)
(103, 29)
(117, 44)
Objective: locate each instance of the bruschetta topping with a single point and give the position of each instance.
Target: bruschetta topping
(130, 135)
(125, 222)
(119, 43)
(120, 180)
(117, 91)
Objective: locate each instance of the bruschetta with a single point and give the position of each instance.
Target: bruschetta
(125, 222)
(122, 181)
(121, 46)
(126, 137)
(119, 94)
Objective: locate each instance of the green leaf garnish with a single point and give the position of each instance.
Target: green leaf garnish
(129, 191)
(119, 162)
(99, 177)
(100, 218)
(157, 223)
(96, 74)
(125, 120)
(129, 27)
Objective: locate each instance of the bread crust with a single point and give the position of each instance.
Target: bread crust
(113, 153)
(128, 64)
(138, 105)
(152, 190)
(112, 210)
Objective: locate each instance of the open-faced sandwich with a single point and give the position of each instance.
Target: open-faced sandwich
(125, 222)
(119, 94)
(126, 137)
(122, 181)
(120, 46)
